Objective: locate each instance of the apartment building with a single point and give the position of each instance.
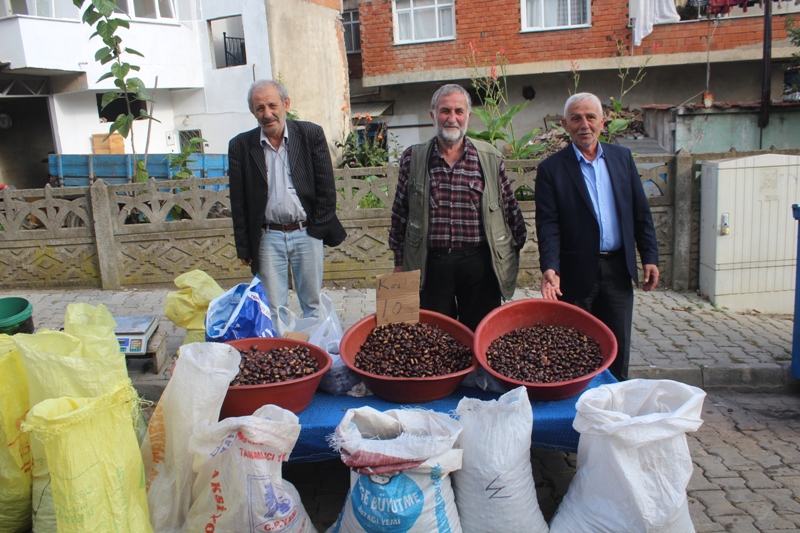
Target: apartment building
(200, 57)
(400, 51)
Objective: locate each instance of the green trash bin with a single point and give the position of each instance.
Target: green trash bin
(16, 316)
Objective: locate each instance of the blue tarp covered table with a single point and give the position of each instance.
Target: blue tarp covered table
(552, 421)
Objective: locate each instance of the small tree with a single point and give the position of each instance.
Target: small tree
(489, 81)
(179, 163)
(100, 14)
(623, 72)
(367, 151)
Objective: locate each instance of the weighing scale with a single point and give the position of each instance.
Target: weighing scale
(134, 332)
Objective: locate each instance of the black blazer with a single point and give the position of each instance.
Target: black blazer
(567, 229)
(312, 176)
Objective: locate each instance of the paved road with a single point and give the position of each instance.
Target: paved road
(747, 461)
(676, 335)
(746, 469)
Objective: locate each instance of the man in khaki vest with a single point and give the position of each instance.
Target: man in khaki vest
(455, 217)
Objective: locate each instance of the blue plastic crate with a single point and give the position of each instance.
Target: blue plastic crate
(82, 170)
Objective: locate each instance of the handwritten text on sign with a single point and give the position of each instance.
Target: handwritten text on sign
(397, 298)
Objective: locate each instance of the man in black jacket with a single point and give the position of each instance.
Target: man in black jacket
(591, 216)
(283, 199)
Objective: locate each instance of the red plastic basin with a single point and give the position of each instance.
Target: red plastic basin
(527, 313)
(407, 390)
(294, 395)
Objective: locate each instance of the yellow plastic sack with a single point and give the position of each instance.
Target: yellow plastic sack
(94, 326)
(187, 307)
(96, 470)
(16, 460)
(83, 363)
(194, 335)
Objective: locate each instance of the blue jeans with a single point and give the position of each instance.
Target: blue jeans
(279, 250)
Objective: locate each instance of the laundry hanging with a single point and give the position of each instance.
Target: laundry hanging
(651, 12)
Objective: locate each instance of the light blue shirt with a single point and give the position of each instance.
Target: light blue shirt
(283, 205)
(598, 182)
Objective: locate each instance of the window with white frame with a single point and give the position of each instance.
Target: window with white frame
(352, 31)
(424, 20)
(551, 14)
(59, 9)
(147, 9)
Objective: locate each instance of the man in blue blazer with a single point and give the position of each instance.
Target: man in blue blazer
(283, 200)
(591, 215)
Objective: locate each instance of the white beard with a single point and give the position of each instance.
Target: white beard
(449, 136)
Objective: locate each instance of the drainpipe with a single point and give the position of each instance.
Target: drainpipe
(763, 119)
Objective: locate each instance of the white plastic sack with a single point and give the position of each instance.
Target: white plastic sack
(494, 489)
(239, 486)
(400, 461)
(193, 395)
(324, 331)
(633, 460)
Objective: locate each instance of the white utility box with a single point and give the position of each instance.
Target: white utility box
(748, 235)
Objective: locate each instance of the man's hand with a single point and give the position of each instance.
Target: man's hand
(551, 285)
(650, 277)
(246, 262)
(397, 269)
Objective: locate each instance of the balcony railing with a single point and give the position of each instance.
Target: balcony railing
(234, 51)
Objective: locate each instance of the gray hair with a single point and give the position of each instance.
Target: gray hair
(263, 84)
(582, 97)
(450, 88)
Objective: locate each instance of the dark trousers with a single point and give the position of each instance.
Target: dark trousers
(461, 284)
(611, 301)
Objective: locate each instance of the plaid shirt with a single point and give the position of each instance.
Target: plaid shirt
(455, 219)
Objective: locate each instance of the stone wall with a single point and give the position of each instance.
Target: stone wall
(138, 234)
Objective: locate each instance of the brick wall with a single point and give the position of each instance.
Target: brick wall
(496, 23)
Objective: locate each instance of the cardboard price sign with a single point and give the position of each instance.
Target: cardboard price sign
(296, 335)
(397, 298)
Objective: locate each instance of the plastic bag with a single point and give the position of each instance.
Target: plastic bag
(633, 463)
(187, 307)
(400, 461)
(481, 379)
(16, 460)
(84, 361)
(193, 395)
(95, 466)
(494, 489)
(239, 486)
(326, 332)
(240, 313)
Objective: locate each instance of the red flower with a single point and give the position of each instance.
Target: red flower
(494, 72)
